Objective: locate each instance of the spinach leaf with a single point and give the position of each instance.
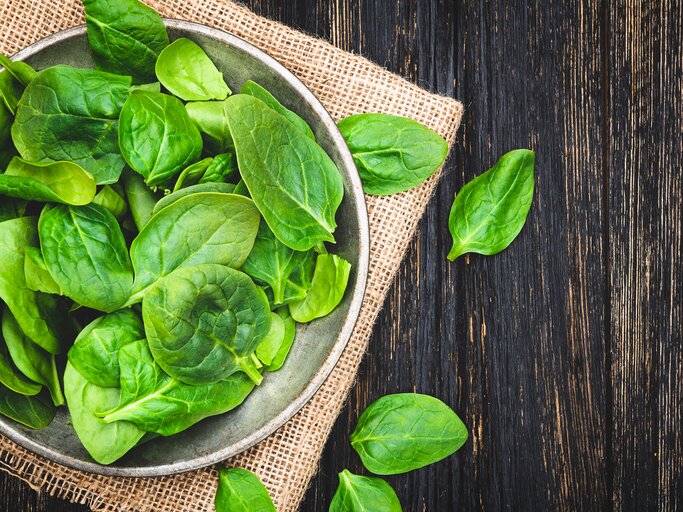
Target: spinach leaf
(19, 70)
(141, 199)
(105, 442)
(393, 154)
(253, 89)
(327, 289)
(72, 114)
(361, 494)
(402, 432)
(199, 228)
(31, 360)
(272, 262)
(86, 254)
(204, 322)
(5, 124)
(220, 169)
(12, 209)
(95, 353)
(126, 37)
(110, 199)
(288, 340)
(241, 189)
(222, 188)
(185, 70)
(211, 119)
(150, 87)
(33, 411)
(11, 377)
(158, 403)
(58, 182)
(490, 211)
(157, 137)
(10, 92)
(240, 490)
(293, 182)
(40, 315)
(270, 345)
(38, 277)
(192, 174)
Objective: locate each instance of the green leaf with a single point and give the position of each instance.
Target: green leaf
(184, 69)
(490, 211)
(72, 114)
(10, 92)
(407, 431)
(158, 403)
(241, 491)
(363, 494)
(222, 188)
(270, 345)
(19, 70)
(33, 411)
(220, 169)
(110, 199)
(86, 254)
(204, 322)
(211, 119)
(12, 209)
(11, 377)
(294, 183)
(58, 182)
(192, 174)
(95, 353)
(393, 154)
(105, 442)
(38, 277)
(157, 138)
(31, 360)
(327, 289)
(286, 345)
(141, 199)
(126, 37)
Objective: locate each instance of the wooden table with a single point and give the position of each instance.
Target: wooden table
(563, 354)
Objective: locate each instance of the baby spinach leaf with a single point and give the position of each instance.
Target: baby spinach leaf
(5, 125)
(327, 289)
(220, 169)
(222, 188)
(241, 189)
(288, 340)
(240, 490)
(402, 432)
(38, 277)
(490, 211)
(33, 411)
(11, 377)
(204, 322)
(126, 37)
(141, 199)
(393, 154)
(86, 254)
(192, 174)
(105, 442)
(95, 353)
(110, 199)
(362, 493)
(158, 403)
(157, 137)
(253, 89)
(58, 182)
(211, 119)
(269, 346)
(10, 92)
(293, 182)
(185, 70)
(199, 228)
(40, 315)
(72, 114)
(31, 360)
(150, 87)
(19, 70)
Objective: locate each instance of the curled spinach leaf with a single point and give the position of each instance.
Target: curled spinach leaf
(38, 277)
(110, 199)
(222, 188)
(126, 37)
(157, 137)
(11, 377)
(33, 411)
(286, 345)
(361, 493)
(192, 174)
(270, 345)
(10, 92)
(402, 432)
(204, 322)
(220, 169)
(73, 114)
(490, 211)
(294, 183)
(211, 119)
(158, 403)
(330, 278)
(141, 199)
(392, 153)
(240, 490)
(86, 254)
(19, 70)
(58, 182)
(184, 69)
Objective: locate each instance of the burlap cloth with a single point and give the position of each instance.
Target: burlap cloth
(346, 84)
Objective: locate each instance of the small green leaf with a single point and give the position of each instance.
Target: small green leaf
(364, 494)
(110, 199)
(19, 70)
(270, 345)
(240, 490)
(33, 411)
(211, 119)
(221, 188)
(141, 199)
(330, 278)
(286, 345)
(38, 277)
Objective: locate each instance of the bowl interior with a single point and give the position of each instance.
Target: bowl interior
(318, 345)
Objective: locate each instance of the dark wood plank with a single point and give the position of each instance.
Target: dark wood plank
(646, 277)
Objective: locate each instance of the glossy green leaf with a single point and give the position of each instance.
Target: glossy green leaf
(222, 188)
(490, 211)
(72, 114)
(150, 87)
(141, 199)
(95, 352)
(158, 403)
(19, 70)
(10, 92)
(364, 494)
(402, 432)
(211, 119)
(110, 199)
(204, 322)
(393, 154)
(240, 490)
(220, 169)
(330, 279)
(38, 277)
(5, 125)
(157, 138)
(126, 37)
(295, 185)
(270, 345)
(86, 254)
(288, 340)
(184, 69)
(11, 377)
(57, 182)
(33, 411)
(192, 174)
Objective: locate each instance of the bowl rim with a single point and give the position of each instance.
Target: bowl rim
(7, 429)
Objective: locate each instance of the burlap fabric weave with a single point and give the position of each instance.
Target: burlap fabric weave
(346, 84)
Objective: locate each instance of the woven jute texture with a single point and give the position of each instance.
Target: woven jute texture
(346, 84)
